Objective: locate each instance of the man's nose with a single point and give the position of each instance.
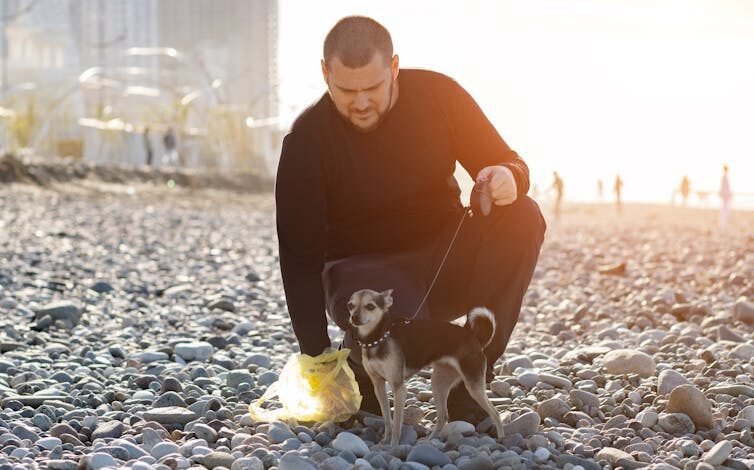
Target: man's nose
(361, 103)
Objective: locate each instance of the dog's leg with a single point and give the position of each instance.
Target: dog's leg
(381, 392)
(477, 389)
(399, 403)
(444, 377)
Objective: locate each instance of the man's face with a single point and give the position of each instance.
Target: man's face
(362, 95)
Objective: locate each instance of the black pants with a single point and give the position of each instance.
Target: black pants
(490, 264)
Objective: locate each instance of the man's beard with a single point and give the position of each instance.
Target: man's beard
(380, 115)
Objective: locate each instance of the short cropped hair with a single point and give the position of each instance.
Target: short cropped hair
(355, 39)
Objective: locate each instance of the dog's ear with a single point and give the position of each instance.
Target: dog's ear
(387, 298)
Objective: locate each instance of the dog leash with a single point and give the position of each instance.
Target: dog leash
(481, 203)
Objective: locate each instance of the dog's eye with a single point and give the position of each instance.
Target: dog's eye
(350, 306)
(371, 307)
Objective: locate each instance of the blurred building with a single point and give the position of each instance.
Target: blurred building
(207, 68)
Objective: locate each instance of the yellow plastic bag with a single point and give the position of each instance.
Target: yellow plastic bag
(319, 388)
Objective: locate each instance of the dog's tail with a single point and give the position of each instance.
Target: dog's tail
(481, 322)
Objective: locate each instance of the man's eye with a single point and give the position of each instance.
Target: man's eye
(370, 307)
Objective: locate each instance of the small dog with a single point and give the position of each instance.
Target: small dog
(394, 349)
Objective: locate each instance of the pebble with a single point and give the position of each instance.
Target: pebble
(691, 401)
(718, 454)
(629, 361)
(346, 441)
(668, 380)
(428, 456)
(194, 351)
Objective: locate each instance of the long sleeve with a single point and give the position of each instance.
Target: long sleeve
(478, 142)
(301, 222)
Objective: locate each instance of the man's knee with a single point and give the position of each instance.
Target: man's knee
(523, 217)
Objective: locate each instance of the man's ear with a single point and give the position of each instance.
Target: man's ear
(394, 66)
(323, 64)
(387, 298)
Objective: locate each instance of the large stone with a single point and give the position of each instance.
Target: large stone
(350, 442)
(668, 380)
(62, 310)
(194, 351)
(428, 455)
(629, 361)
(689, 400)
(553, 408)
(719, 453)
(743, 310)
(676, 423)
(218, 459)
(170, 415)
(612, 455)
(110, 429)
(526, 424)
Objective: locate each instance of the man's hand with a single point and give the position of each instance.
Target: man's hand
(501, 184)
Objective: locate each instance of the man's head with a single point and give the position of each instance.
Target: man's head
(361, 71)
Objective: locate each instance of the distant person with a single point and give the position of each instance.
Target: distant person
(366, 198)
(148, 146)
(600, 189)
(171, 154)
(685, 189)
(726, 195)
(557, 186)
(618, 189)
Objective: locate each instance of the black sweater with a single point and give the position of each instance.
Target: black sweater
(341, 192)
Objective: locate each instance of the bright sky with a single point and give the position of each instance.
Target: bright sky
(651, 89)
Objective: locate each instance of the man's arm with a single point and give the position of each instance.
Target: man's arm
(478, 144)
(301, 218)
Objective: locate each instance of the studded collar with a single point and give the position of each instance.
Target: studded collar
(384, 336)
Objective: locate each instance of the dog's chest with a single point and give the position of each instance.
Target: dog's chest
(387, 361)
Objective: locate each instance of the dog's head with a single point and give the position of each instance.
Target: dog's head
(367, 308)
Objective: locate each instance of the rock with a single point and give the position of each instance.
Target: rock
(747, 413)
(110, 429)
(101, 460)
(480, 462)
(169, 399)
(292, 461)
(553, 408)
(742, 351)
(428, 456)
(48, 443)
(515, 362)
(350, 442)
(413, 415)
(726, 334)
(161, 449)
(743, 310)
(202, 431)
(732, 389)
(526, 424)
(238, 377)
(194, 351)
(222, 304)
(218, 459)
(718, 454)
(629, 361)
(279, 432)
(668, 380)
(101, 287)
(260, 360)
(676, 423)
(170, 415)
(247, 463)
(555, 380)
(691, 401)
(62, 310)
(584, 401)
(457, 427)
(612, 455)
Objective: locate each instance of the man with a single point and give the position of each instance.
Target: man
(366, 198)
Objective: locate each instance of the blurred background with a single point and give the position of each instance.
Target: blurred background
(650, 90)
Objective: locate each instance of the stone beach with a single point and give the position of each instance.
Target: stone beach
(138, 321)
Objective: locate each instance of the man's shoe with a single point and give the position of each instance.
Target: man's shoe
(461, 407)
